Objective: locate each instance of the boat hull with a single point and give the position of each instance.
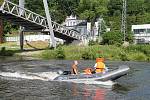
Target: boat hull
(112, 75)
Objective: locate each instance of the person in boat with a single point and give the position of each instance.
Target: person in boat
(99, 66)
(88, 71)
(74, 67)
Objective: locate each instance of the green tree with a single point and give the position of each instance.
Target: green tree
(92, 9)
(112, 38)
(115, 7)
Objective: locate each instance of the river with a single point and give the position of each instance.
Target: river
(22, 79)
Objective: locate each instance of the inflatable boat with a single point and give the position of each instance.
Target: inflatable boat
(108, 76)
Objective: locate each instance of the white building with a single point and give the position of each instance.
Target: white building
(72, 21)
(141, 33)
(84, 27)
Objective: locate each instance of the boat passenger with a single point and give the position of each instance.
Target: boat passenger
(74, 67)
(99, 66)
(88, 71)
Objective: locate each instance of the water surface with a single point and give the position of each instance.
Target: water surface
(25, 83)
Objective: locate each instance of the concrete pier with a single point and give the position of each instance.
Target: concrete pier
(1, 30)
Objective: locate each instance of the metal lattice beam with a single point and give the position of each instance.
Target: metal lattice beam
(9, 9)
(124, 14)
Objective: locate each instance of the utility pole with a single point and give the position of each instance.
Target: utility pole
(124, 17)
(100, 29)
(49, 23)
(1, 27)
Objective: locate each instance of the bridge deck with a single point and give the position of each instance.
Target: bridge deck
(32, 21)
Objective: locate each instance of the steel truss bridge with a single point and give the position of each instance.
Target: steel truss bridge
(35, 22)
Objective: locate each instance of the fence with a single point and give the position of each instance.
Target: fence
(32, 38)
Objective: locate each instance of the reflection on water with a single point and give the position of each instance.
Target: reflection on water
(134, 86)
(89, 92)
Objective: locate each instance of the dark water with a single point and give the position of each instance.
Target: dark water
(134, 86)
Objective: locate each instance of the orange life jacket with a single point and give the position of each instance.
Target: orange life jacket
(100, 67)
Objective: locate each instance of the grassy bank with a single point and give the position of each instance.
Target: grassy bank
(110, 52)
(71, 52)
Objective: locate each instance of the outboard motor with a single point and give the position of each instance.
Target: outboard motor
(66, 73)
(59, 72)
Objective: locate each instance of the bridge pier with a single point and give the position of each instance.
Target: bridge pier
(21, 4)
(21, 38)
(49, 23)
(1, 30)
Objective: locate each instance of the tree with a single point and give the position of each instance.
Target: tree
(115, 7)
(135, 7)
(92, 9)
(112, 38)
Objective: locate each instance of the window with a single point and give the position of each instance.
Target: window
(139, 31)
(74, 23)
(148, 31)
(79, 30)
(70, 23)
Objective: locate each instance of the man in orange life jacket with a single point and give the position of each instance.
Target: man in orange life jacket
(99, 66)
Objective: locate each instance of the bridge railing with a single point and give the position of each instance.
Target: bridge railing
(28, 15)
(14, 9)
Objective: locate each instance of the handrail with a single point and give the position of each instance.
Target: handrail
(33, 17)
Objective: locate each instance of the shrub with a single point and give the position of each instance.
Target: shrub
(5, 52)
(138, 56)
(60, 53)
(123, 56)
(112, 38)
(87, 55)
(48, 54)
(91, 43)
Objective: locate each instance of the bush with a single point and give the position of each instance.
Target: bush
(87, 55)
(112, 38)
(140, 48)
(60, 53)
(91, 43)
(48, 54)
(138, 56)
(5, 52)
(123, 56)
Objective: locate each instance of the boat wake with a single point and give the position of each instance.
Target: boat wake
(45, 76)
(49, 76)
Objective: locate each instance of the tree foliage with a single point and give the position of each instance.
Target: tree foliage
(112, 38)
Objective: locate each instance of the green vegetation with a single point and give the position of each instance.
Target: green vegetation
(109, 52)
(112, 38)
(4, 52)
(71, 52)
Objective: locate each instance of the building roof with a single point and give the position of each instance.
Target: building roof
(143, 26)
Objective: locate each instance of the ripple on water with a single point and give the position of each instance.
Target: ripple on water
(134, 86)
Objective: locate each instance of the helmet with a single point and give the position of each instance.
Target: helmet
(99, 59)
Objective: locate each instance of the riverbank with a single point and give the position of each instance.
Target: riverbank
(109, 52)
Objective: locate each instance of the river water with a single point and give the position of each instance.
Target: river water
(22, 79)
